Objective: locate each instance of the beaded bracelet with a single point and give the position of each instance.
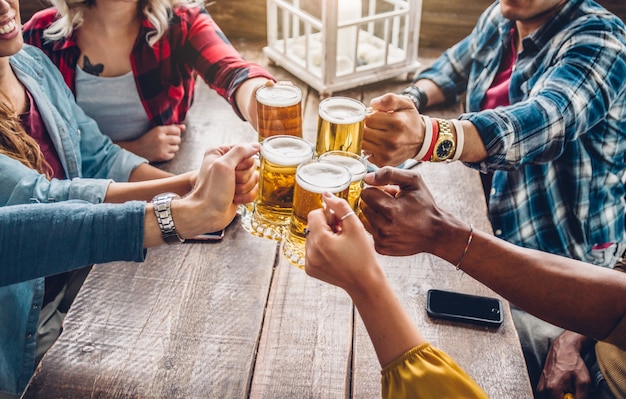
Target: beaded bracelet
(469, 241)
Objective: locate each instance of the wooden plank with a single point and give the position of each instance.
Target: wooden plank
(305, 347)
(492, 357)
(193, 334)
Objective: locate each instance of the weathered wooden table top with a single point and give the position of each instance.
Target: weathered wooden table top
(234, 319)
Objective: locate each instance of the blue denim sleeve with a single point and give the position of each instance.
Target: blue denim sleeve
(37, 240)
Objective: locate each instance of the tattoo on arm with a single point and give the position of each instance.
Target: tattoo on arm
(91, 68)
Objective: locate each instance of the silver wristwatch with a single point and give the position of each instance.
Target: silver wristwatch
(163, 211)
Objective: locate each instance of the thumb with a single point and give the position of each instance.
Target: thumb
(405, 179)
(391, 102)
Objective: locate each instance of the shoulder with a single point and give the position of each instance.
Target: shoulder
(189, 13)
(41, 19)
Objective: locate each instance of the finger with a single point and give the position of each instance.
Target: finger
(391, 102)
(248, 163)
(405, 179)
(239, 153)
(344, 215)
(316, 223)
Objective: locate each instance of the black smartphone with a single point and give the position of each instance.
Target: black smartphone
(210, 236)
(463, 307)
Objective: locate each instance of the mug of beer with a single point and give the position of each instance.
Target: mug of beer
(313, 178)
(357, 165)
(340, 125)
(280, 157)
(279, 110)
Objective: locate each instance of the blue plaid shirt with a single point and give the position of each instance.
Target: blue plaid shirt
(558, 149)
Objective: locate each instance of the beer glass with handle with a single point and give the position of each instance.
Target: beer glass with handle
(279, 112)
(313, 178)
(357, 165)
(340, 125)
(280, 157)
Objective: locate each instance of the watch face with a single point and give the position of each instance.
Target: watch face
(444, 149)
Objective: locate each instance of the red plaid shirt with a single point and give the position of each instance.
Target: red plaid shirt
(165, 73)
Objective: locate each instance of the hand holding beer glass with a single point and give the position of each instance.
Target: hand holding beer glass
(280, 156)
(313, 178)
(340, 125)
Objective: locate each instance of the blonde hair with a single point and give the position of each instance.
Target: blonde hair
(17, 144)
(158, 12)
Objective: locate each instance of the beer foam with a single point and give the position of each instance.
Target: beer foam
(342, 110)
(280, 95)
(318, 177)
(357, 168)
(286, 150)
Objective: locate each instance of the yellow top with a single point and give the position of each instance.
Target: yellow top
(427, 372)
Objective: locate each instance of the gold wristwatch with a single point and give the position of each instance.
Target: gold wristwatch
(445, 144)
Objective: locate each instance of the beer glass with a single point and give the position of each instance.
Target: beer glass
(340, 125)
(357, 165)
(280, 157)
(279, 110)
(313, 178)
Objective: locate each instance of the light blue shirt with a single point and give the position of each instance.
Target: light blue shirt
(90, 161)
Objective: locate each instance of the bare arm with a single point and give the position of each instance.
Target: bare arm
(246, 98)
(584, 298)
(390, 328)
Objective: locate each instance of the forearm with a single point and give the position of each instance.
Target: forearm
(246, 99)
(146, 190)
(582, 297)
(390, 328)
(148, 172)
(38, 240)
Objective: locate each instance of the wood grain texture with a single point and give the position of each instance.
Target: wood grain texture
(184, 324)
(235, 320)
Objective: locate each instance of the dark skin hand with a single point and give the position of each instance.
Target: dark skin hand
(385, 208)
(565, 371)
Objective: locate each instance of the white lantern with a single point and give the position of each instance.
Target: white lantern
(336, 45)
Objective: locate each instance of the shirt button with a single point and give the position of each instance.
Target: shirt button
(498, 232)
(493, 191)
(29, 336)
(35, 307)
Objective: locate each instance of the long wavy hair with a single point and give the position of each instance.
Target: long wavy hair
(158, 12)
(16, 143)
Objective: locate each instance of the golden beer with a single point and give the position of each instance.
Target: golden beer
(313, 178)
(279, 111)
(280, 157)
(357, 165)
(340, 125)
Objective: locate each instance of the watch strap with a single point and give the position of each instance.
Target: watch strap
(445, 145)
(163, 212)
(418, 96)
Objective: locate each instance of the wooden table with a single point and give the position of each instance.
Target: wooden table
(235, 320)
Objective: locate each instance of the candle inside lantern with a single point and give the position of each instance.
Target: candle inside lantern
(349, 10)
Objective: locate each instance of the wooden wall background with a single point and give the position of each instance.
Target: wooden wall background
(444, 22)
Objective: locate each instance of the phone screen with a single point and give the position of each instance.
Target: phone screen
(463, 307)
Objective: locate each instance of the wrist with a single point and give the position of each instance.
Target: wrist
(418, 96)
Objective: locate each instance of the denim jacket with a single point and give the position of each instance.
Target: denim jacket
(86, 155)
